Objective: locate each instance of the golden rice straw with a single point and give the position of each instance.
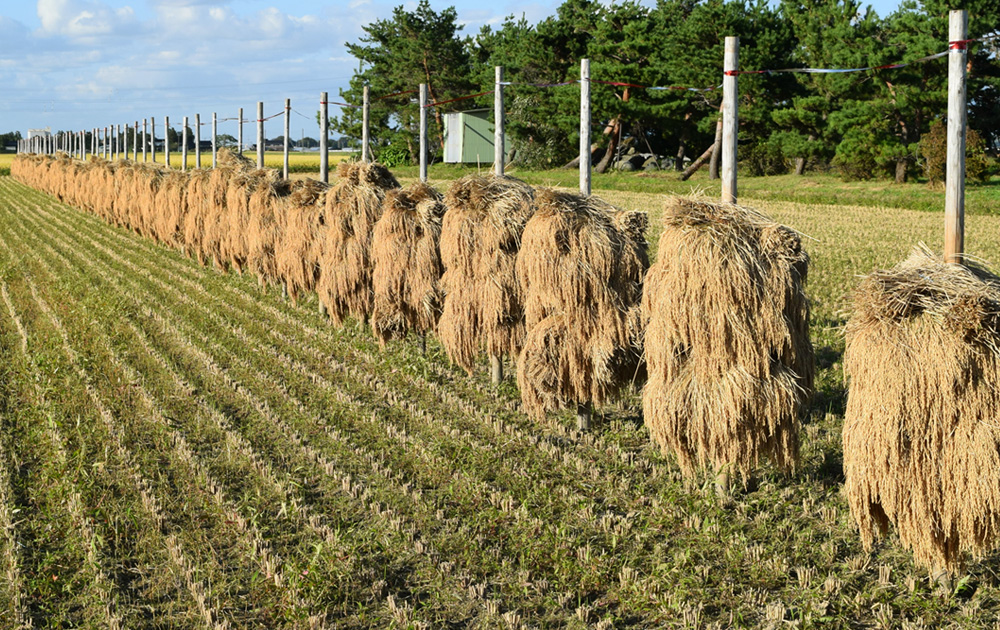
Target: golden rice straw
(480, 239)
(580, 269)
(167, 221)
(299, 232)
(406, 263)
(353, 205)
(730, 365)
(208, 222)
(921, 437)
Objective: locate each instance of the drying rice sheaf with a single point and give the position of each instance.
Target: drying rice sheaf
(268, 201)
(406, 263)
(207, 223)
(480, 239)
(580, 268)
(921, 438)
(353, 205)
(727, 345)
(166, 219)
(299, 236)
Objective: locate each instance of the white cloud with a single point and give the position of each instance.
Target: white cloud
(83, 19)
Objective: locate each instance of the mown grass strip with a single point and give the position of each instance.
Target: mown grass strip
(101, 573)
(174, 549)
(13, 608)
(381, 511)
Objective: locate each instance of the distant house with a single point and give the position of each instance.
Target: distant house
(39, 133)
(468, 137)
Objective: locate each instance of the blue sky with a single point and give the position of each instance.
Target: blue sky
(79, 64)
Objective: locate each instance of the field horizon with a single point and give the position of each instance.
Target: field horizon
(183, 447)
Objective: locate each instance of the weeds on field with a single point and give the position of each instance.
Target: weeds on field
(239, 460)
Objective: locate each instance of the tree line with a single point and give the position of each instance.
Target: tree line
(864, 124)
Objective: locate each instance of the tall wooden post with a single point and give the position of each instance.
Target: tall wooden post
(260, 134)
(288, 125)
(324, 132)
(585, 126)
(498, 124)
(365, 117)
(730, 119)
(184, 144)
(119, 142)
(584, 411)
(215, 133)
(152, 140)
(197, 140)
(135, 142)
(166, 141)
(423, 132)
(496, 361)
(239, 140)
(145, 138)
(954, 195)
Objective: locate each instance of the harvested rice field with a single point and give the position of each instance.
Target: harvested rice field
(182, 448)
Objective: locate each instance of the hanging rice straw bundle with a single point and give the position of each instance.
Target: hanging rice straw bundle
(480, 239)
(580, 267)
(208, 222)
(353, 205)
(235, 224)
(406, 263)
(299, 233)
(102, 186)
(921, 437)
(727, 339)
(171, 208)
(268, 200)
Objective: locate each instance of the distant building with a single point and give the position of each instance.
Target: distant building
(40, 133)
(468, 137)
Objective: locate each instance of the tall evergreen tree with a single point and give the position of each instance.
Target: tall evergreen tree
(396, 56)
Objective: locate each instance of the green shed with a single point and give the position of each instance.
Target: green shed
(468, 137)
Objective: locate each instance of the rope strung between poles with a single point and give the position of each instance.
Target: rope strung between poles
(460, 98)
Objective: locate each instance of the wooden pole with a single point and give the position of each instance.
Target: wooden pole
(288, 124)
(260, 134)
(496, 361)
(152, 140)
(166, 141)
(120, 142)
(585, 126)
(239, 141)
(584, 413)
(145, 138)
(423, 132)
(135, 142)
(184, 144)
(498, 124)
(197, 140)
(584, 410)
(365, 118)
(954, 195)
(215, 133)
(730, 119)
(324, 131)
